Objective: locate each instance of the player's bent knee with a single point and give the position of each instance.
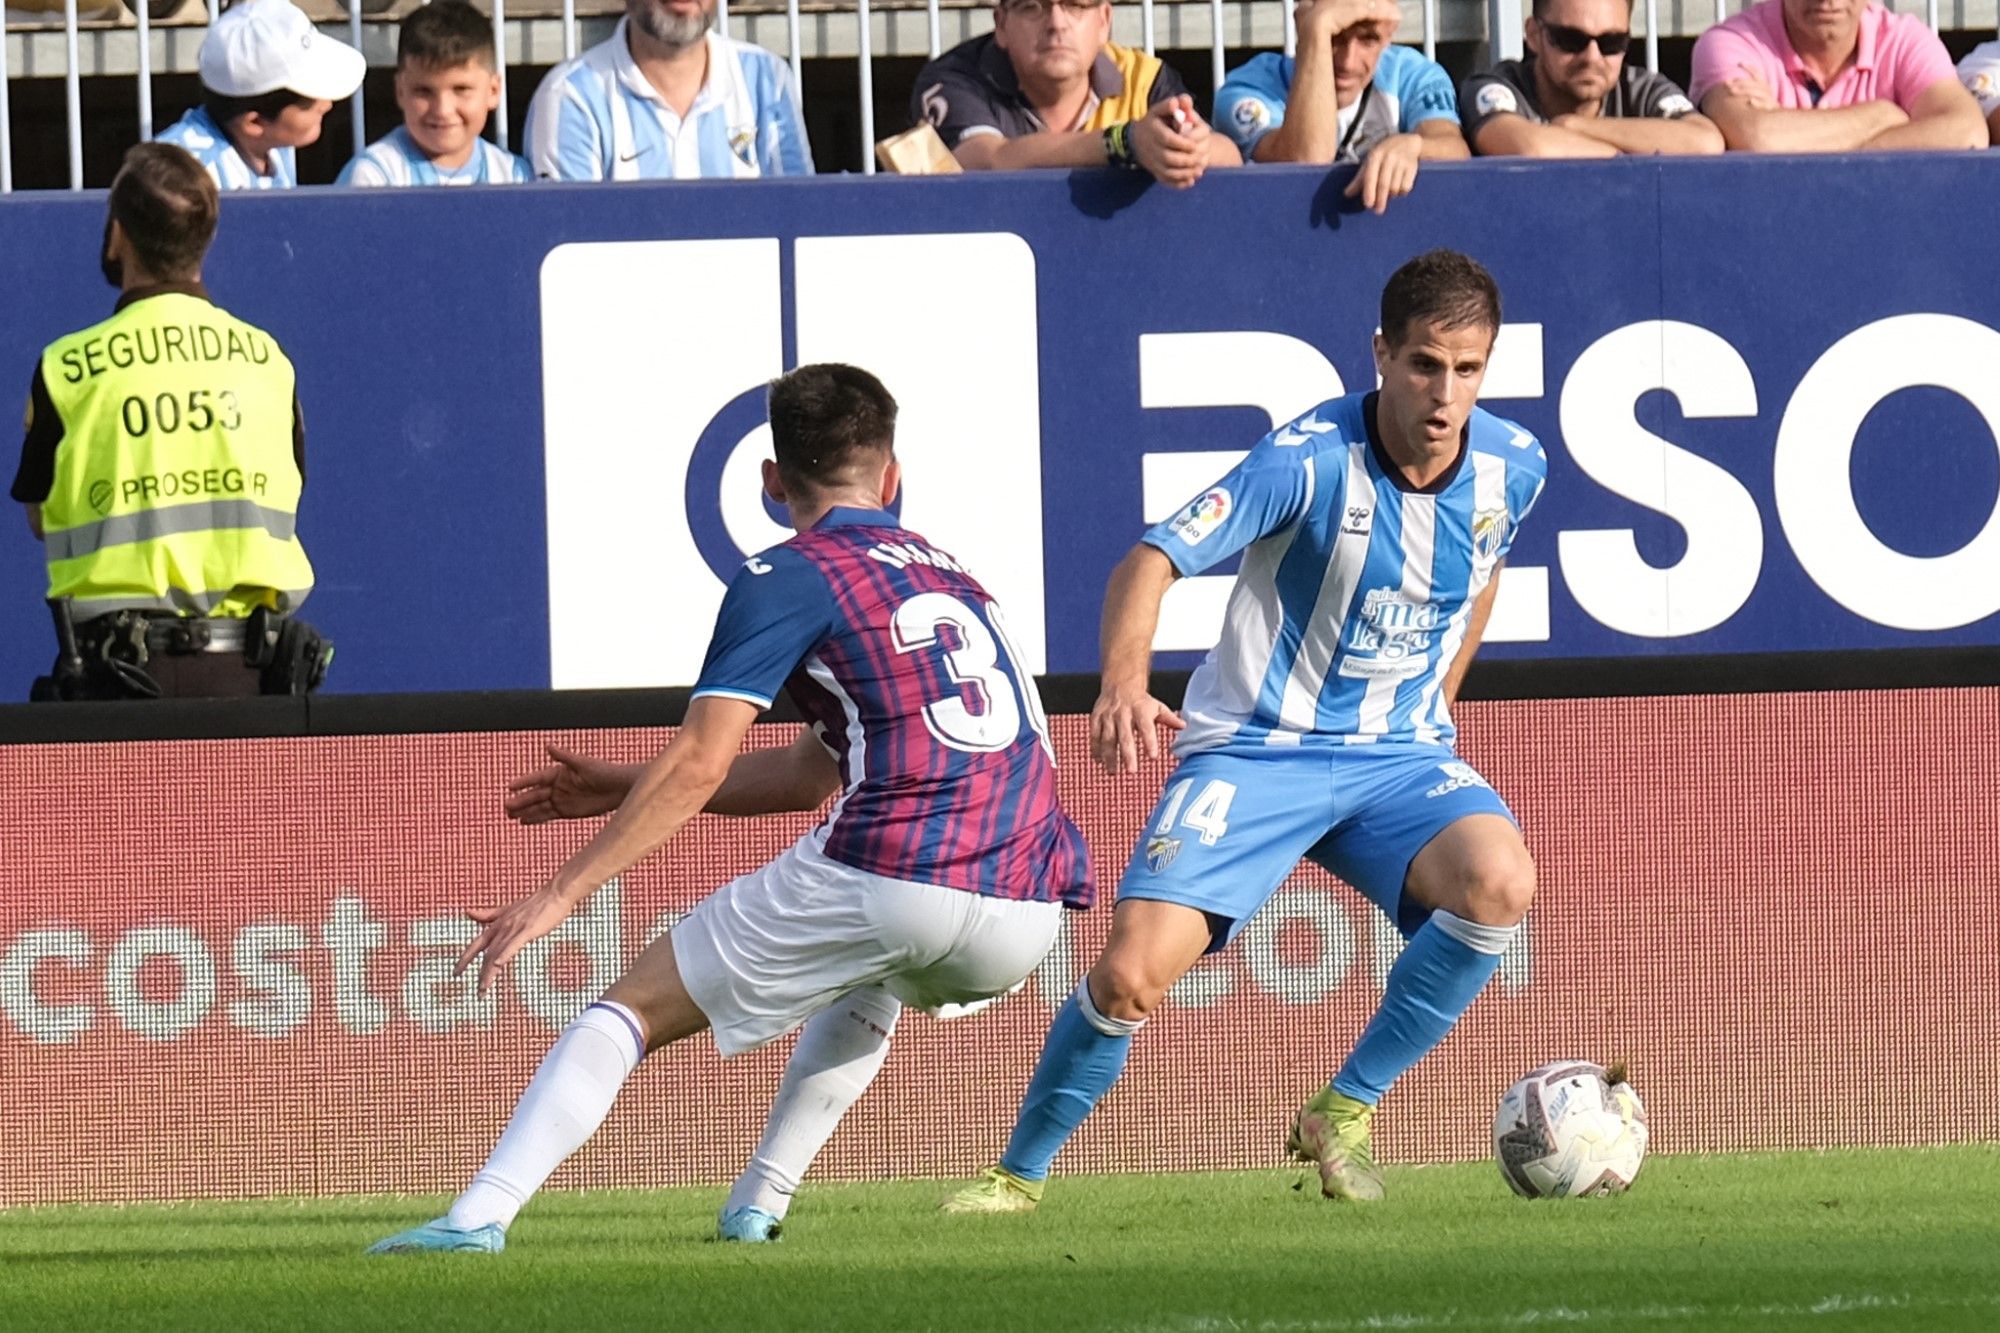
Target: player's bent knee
(1499, 888)
(1126, 989)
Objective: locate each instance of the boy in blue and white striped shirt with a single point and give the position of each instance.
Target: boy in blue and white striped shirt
(268, 78)
(447, 84)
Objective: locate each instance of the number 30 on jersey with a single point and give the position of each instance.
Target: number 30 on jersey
(972, 663)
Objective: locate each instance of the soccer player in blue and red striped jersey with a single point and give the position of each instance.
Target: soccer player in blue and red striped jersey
(937, 879)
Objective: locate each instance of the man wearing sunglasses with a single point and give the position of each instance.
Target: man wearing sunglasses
(1831, 76)
(1575, 95)
(1048, 88)
(1348, 96)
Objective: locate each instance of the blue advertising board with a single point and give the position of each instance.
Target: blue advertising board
(1769, 389)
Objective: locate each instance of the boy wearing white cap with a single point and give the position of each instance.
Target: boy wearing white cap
(268, 78)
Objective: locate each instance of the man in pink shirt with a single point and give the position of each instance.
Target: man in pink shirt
(1831, 76)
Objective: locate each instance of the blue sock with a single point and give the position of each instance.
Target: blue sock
(1082, 1058)
(1448, 962)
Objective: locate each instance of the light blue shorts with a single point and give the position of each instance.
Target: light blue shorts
(1233, 823)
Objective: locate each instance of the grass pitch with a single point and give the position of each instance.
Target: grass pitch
(1906, 1239)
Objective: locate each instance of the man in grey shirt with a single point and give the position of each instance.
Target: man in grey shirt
(1575, 95)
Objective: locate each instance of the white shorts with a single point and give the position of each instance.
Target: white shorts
(765, 952)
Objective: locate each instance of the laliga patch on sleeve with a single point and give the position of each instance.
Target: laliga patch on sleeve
(1495, 98)
(1193, 524)
(1251, 114)
(1676, 106)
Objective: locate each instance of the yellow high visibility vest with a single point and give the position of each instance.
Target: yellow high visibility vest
(176, 488)
(1139, 71)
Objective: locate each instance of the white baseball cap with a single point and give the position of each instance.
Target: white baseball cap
(260, 46)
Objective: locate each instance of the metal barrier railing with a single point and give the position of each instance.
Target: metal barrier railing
(1503, 26)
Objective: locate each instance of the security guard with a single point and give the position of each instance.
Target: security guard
(162, 469)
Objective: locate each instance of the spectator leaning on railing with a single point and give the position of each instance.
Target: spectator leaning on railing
(1831, 76)
(1980, 72)
(447, 84)
(664, 98)
(268, 78)
(1349, 96)
(1574, 94)
(1048, 88)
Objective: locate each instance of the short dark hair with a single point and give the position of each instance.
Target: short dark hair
(222, 109)
(444, 33)
(1540, 9)
(825, 419)
(1442, 287)
(166, 204)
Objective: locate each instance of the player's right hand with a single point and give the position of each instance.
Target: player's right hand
(574, 786)
(1124, 723)
(508, 930)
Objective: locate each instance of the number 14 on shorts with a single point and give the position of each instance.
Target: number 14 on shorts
(1207, 814)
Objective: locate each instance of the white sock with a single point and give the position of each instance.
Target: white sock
(1473, 935)
(564, 1104)
(839, 1053)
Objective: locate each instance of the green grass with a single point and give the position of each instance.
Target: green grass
(1906, 1239)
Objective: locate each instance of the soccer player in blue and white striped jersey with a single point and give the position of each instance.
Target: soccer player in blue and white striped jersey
(666, 99)
(1372, 530)
(447, 84)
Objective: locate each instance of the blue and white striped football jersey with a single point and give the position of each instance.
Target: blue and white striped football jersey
(204, 139)
(1406, 90)
(395, 159)
(596, 118)
(1355, 591)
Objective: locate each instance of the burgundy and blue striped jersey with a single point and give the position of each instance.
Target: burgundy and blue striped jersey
(901, 664)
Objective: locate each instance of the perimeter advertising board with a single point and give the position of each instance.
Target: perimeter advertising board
(534, 413)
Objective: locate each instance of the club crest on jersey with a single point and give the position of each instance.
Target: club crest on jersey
(1193, 524)
(1160, 852)
(1489, 533)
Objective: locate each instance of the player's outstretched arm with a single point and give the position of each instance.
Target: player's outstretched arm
(670, 791)
(799, 776)
(1124, 721)
(570, 786)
